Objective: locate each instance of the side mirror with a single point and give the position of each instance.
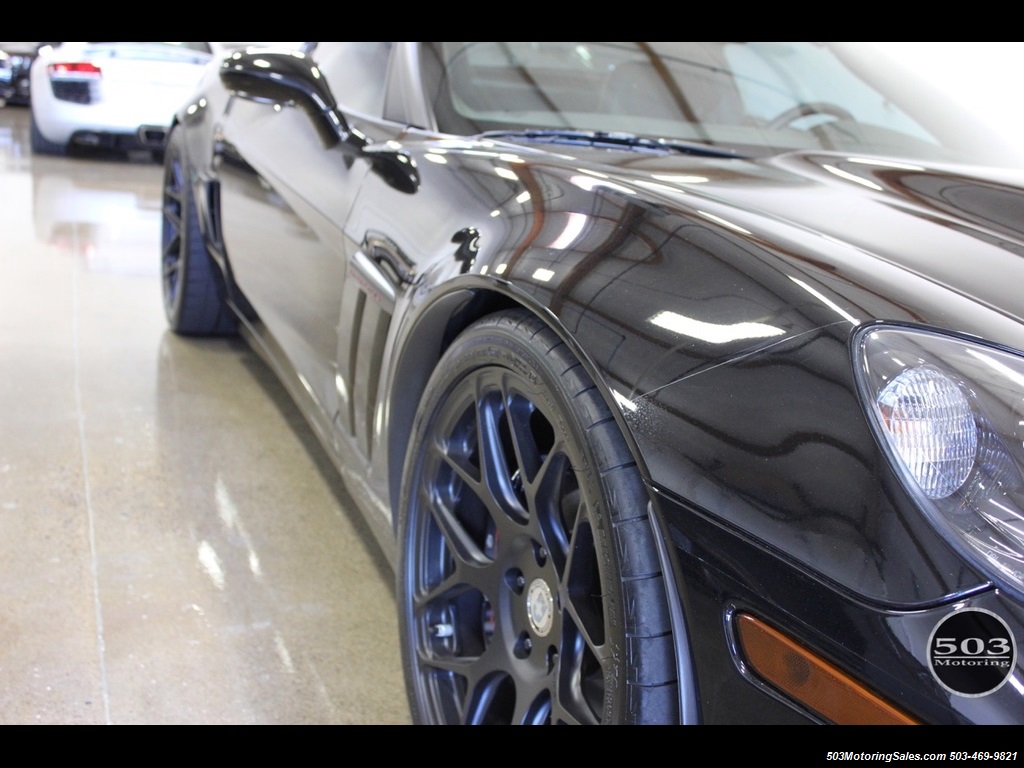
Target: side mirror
(286, 77)
(291, 77)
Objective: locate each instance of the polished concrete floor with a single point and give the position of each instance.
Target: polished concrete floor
(174, 548)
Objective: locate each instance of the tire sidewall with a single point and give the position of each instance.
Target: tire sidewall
(197, 304)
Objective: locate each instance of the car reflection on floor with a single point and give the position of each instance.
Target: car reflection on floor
(109, 220)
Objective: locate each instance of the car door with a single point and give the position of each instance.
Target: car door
(284, 201)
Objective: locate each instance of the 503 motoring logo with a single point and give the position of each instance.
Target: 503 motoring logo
(972, 652)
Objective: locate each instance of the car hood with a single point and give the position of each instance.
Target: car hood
(946, 225)
(953, 227)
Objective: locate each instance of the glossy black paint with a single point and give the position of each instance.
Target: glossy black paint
(356, 248)
(289, 77)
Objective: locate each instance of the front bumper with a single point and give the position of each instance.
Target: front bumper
(722, 576)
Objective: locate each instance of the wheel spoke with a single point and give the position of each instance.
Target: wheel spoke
(584, 653)
(527, 426)
(582, 583)
(464, 547)
(173, 205)
(172, 244)
(172, 213)
(498, 466)
(491, 701)
(580, 684)
(554, 482)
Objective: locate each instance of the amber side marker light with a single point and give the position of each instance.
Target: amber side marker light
(814, 682)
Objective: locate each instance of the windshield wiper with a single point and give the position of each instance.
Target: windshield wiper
(615, 141)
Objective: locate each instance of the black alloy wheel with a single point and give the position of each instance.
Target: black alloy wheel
(530, 590)
(193, 290)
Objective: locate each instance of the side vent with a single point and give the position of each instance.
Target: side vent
(368, 307)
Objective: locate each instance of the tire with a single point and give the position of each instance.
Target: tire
(193, 288)
(529, 586)
(42, 145)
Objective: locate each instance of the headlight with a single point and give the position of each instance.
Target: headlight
(950, 411)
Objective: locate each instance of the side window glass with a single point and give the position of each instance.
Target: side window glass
(356, 73)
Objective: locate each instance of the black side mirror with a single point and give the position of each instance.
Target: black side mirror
(291, 77)
(286, 77)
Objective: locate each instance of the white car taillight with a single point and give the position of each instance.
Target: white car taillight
(74, 69)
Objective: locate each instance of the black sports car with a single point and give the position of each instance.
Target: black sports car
(680, 382)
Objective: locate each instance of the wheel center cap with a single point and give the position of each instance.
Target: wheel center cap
(540, 606)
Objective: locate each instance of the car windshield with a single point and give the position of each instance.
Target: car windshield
(752, 97)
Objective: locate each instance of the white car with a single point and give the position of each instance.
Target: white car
(116, 96)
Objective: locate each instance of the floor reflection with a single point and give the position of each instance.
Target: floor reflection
(102, 208)
(109, 220)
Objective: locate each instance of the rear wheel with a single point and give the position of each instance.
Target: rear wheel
(42, 145)
(530, 590)
(193, 289)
